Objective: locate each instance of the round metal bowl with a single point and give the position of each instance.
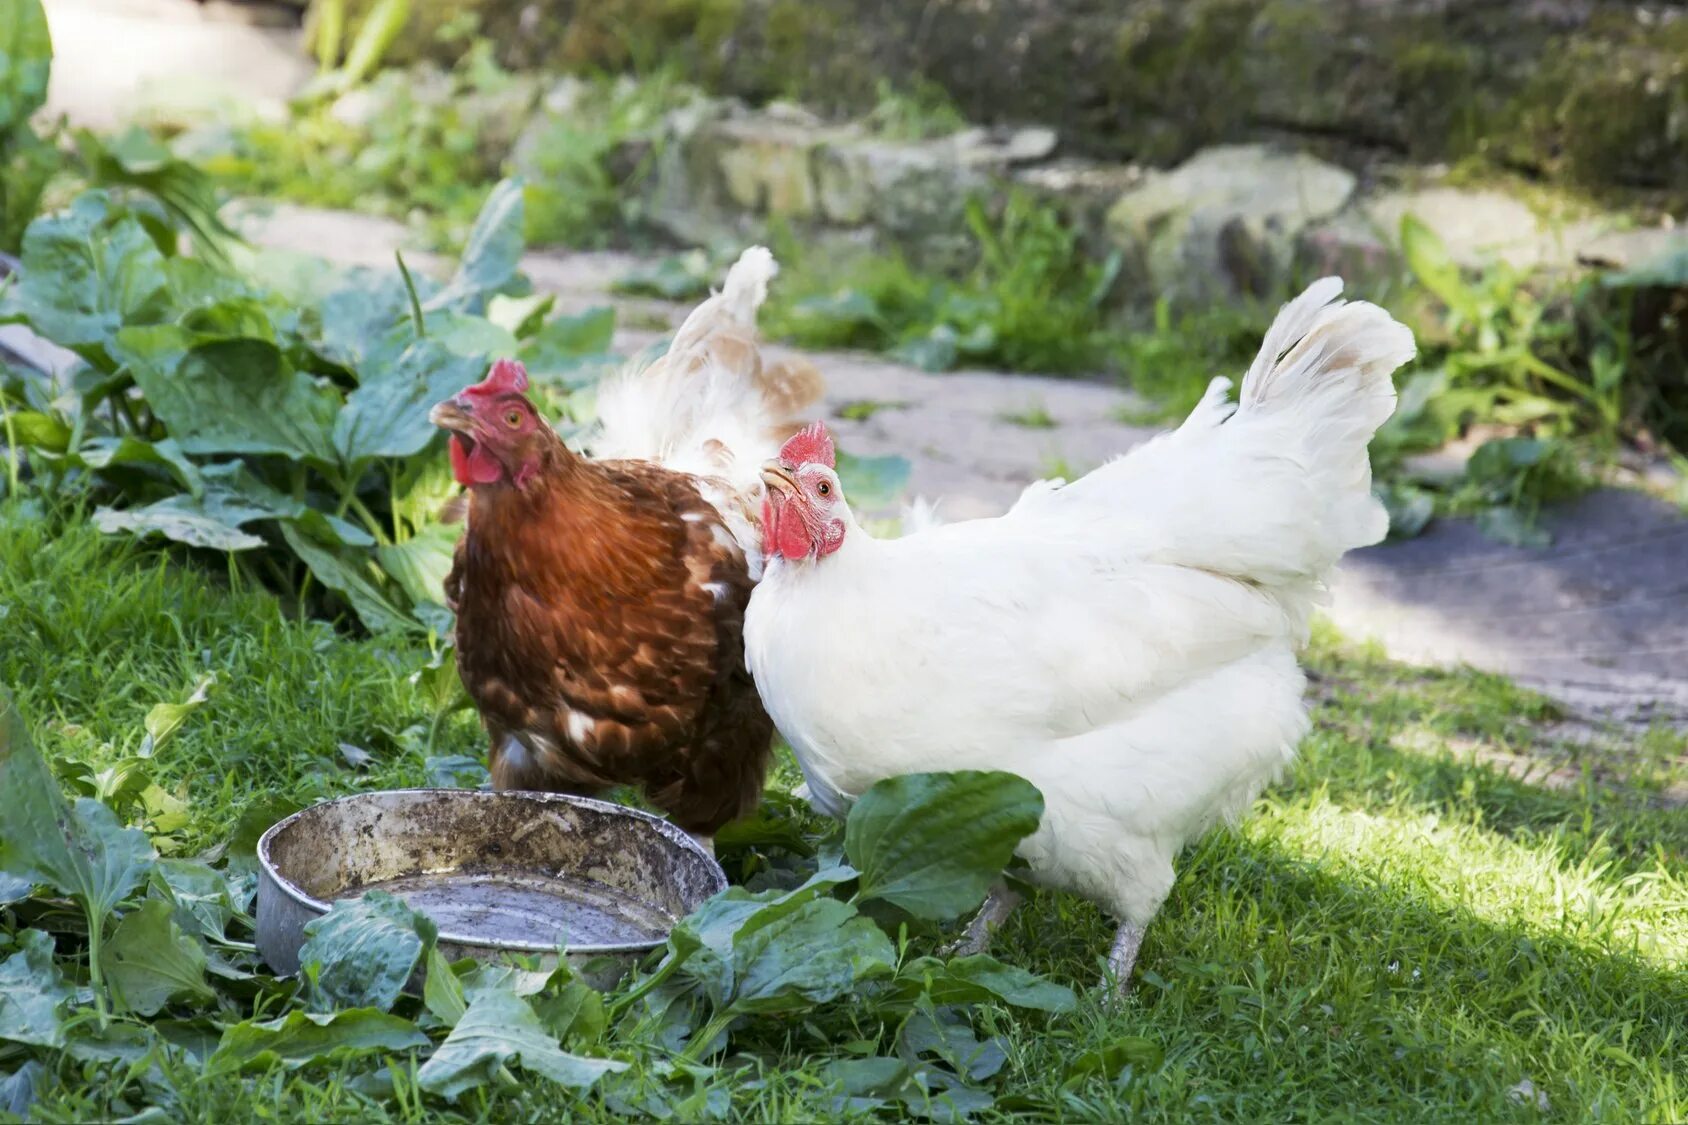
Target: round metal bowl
(499, 873)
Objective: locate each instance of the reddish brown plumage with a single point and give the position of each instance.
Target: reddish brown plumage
(590, 638)
(600, 604)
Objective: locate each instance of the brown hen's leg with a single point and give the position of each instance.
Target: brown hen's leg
(976, 938)
(1122, 959)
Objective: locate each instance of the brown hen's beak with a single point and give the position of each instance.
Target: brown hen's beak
(451, 415)
(779, 478)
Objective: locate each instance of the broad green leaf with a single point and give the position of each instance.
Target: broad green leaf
(1505, 523)
(35, 430)
(929, 1031)
(26, 58)
(873, 482)
(931, 843)
(849, 309)
(186, 194)
(102, 453)
(148, 961)
(678, 277)
(442, 992)
(935, 351)
(493, 252)
(241, 850)
(78, 849)
(361, 953)
(32, 993)
(17, 1090)
(565, 342)
(200, 894)
(87, 272)
(230, 395)
(810, 955)
(360, 316)
(346, 573)
(301, 1038)
(165, 719)
(573, 1012)
(1107, 1062)
(473, 337)
(387, 416)
(500, 1029)
(788, 954)
(521, 317)
(1409, 508)
(1428, 258)
(419, 564)
(976, 980)
(13, 889)
(181, 519)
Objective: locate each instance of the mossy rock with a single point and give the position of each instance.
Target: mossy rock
(1593, 94)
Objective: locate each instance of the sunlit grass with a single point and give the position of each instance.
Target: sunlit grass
(1394, 934)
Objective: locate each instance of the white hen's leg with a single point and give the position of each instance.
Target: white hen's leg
(976, 938)
(1123, 958)
(707, 843)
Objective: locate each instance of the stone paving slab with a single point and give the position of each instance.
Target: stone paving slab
(1598, 619)
(106, 51)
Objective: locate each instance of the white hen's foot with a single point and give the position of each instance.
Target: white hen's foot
(1121, 960)
(993, 912)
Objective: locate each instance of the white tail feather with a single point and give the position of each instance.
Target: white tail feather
(1274, 489)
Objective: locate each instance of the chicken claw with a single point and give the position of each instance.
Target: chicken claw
(993, 912)
(1121, 960)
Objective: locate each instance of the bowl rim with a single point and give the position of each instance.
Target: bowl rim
(664, 828)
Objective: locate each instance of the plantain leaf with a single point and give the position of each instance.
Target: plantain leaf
(301, 1038)
(500, 1029)
(149, 961)
(33, 993)
(361, 953)
(931, 843)
(78, 849)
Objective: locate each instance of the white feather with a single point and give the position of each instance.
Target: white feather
(1126, 642)
(697, 413)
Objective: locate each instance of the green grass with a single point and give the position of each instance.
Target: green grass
(1396, 934)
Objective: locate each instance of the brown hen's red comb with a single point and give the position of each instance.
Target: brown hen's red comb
(811, 445)
(506, 377)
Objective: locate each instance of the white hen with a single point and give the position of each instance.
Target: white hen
(1126, 642)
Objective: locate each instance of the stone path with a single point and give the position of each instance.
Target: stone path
(1599, 619)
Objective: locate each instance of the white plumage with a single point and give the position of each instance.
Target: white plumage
(1125, 642)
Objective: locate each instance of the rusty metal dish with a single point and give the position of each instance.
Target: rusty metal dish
(499, 873)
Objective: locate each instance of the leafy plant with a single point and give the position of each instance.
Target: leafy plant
(27, 162)
(1031, 302)
(919, 849)
(289, 427)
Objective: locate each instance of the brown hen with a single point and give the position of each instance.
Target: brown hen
(600, 600)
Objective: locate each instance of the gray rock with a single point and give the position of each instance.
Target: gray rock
(1227, 219)
(1483, 226)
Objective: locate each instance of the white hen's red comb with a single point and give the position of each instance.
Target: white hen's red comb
(506, 377)
(811, 445)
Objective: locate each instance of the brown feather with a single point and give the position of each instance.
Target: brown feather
(591, 637)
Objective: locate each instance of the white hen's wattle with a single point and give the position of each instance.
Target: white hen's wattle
(1126, 642)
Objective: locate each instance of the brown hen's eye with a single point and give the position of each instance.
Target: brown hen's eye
(824, 488)
(513, 418)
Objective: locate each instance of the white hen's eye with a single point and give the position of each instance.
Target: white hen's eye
(824, 488)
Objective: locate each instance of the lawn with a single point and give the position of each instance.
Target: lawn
(1397, 932)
